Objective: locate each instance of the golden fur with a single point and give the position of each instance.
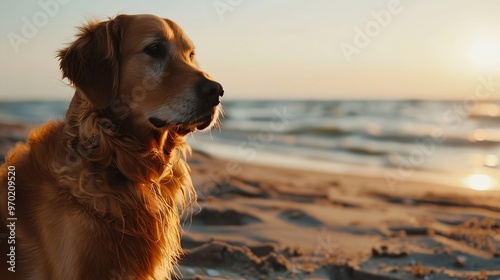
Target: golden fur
(99, 195)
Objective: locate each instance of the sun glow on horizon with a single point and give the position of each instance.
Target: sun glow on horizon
(485, 52)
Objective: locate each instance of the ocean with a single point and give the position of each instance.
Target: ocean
(453, 142)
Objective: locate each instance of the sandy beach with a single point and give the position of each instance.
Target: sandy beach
(261, 222)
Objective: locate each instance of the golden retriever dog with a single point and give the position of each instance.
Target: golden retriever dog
(100, 194)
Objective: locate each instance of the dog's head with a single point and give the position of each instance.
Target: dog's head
(142, 68)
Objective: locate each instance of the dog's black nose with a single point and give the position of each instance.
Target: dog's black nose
(210, 90)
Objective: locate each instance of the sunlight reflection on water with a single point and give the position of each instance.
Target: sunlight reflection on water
(480, 182)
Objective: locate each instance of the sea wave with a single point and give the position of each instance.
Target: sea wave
(372, 133)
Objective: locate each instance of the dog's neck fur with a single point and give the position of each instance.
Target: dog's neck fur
(104, 142)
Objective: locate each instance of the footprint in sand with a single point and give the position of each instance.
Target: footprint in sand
(300, 218)
(224, 217)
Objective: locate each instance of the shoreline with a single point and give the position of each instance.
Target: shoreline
(394, 176)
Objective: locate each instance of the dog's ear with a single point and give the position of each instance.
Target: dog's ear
(92, 63)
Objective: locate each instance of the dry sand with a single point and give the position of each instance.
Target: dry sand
(259, 222)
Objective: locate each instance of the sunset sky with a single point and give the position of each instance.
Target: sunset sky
(322, 49)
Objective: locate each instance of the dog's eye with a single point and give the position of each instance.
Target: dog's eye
(191, 55)
(155, 50)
